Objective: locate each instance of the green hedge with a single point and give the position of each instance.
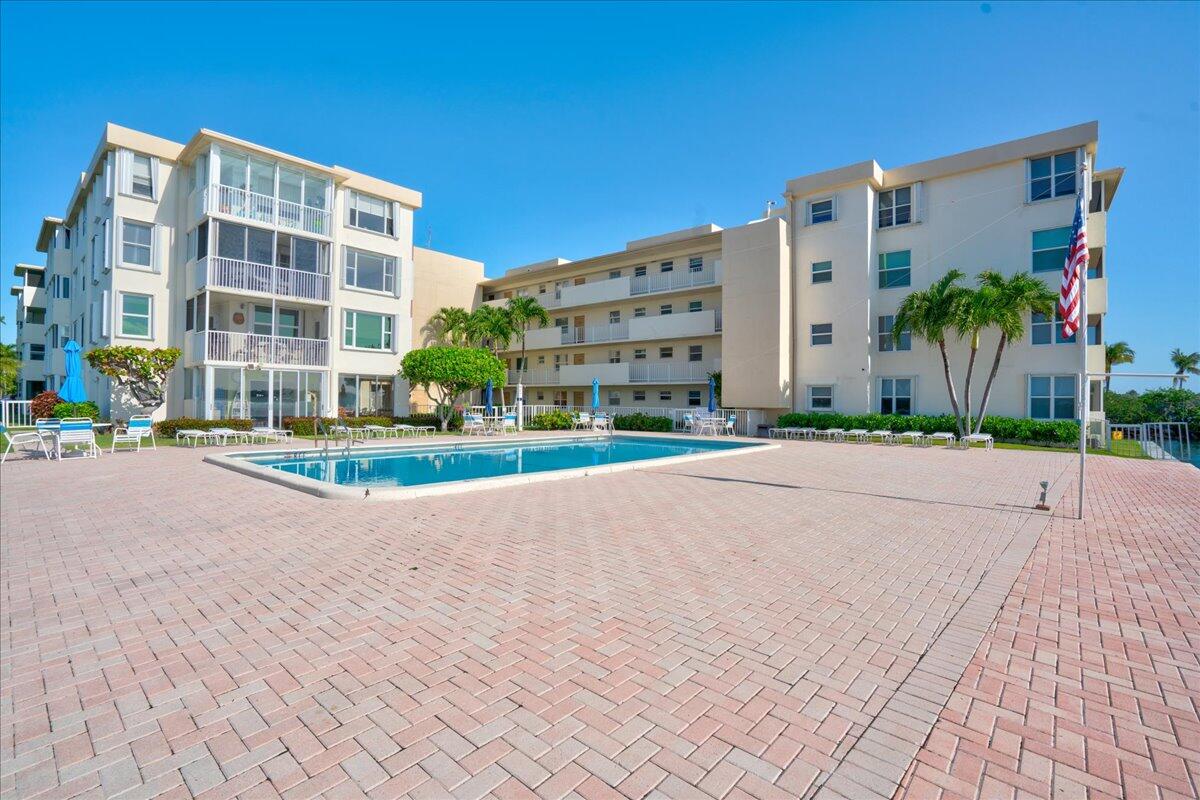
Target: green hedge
(551, 421)
(1002, 428)
(303, 426)
(643, 422)
(167, 428)
(1156, 405)
(85, 409)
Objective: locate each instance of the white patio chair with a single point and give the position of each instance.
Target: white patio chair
(474, 425)
(601, 422)
(886, 437)
(79, 435)
(507, 423)
(195, 436)
(983, 438)
(916, 437)
(583, 420)
(140, 427)
(21, 438)
(942, 436)
(379, 430)
(859, 435)
(832, 434)
(729, 426)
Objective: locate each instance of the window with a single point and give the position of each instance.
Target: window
(37, 352)
(664, 309)
(695, 264)
(614, 274)
(35, 316)
(666, 266)
(1050, 249)
(820, 211)
(639, 395)
(895, 269)
(822, 272)
(639, 353)
(52, 337)
(244, 243)
(666, 352)
(135, 315)
(201, 238)
(639, 312)
(821, 334)
(614, 398)
(695, 352)
(895, 396)
(135, 243)
(614, 317)
(1052, 176)
(1044, 329)
(614, 356)
(370, 271)
(1052, 396)
(639, 272)
(693, 397)
(366, 394)
(371, 213)
(262, 320)
(368, 331)
(664, 396)
(189, 315)
(820, 398)
(695, 305)
(142, 181)
(895, 207)
(887, 342)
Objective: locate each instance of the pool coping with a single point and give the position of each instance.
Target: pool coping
(330, 491)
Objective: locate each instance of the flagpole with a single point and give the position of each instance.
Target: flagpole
(1085, 385)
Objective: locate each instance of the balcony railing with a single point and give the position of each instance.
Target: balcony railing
(669, 281)
(612, 332)
(668, 372)
(254, 348)
(244, 204)
(246, 276)
(538, 376)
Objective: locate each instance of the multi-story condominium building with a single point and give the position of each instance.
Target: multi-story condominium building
(294, 287)
(796, 309)
(287, 284)
(30, 290)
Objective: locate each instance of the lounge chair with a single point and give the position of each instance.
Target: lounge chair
(729, 426)
(887, 437)
(601, 422)
(583, 420)
(832, 434)
(78, 434)
(859, 435)
(380, 431)
(775, 433)
(474, 425)
(916, 437)
(508, 423)
(689, 423)
(34, 437)
(195, 436)
(223, 435)
(942, 436)
(341, 430)
(983, 438)
(140, 427)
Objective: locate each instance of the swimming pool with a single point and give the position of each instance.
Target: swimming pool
(395, 471)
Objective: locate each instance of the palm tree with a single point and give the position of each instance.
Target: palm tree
(1116, 353)
(10, 367)
(1010, 300)
(491, 328)
(1185, 364)
(448, 326)
(929, 315)
(522, 312)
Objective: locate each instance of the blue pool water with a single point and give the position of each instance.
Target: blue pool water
(461, 462)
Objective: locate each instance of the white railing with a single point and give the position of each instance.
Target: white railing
(539, 376)
(244, 204)
(746, 421)
(612, 332)
(667, 372)
(1166, 441)
(16, 413)
(246, 276)
(717, 320)
(669, 281)
(253, 348)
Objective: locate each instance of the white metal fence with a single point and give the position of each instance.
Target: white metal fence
(247, 276)
(746, 420)
(16, 413)
(245, 204)
(1166, 441)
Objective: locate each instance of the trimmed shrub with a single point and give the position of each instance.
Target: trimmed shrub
(551, 421)
(1026, 431)
(167, 428)
(303, 426)
(643, 422)
(43, 405)
(85, 409)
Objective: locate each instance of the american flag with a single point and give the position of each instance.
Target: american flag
(1074, 270)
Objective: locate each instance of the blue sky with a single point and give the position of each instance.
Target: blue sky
(542, 130)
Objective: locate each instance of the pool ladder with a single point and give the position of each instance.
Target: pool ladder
(322, 430)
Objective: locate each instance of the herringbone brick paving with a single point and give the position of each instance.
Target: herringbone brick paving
(726, 628)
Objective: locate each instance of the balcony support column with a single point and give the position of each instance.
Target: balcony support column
(209, 392)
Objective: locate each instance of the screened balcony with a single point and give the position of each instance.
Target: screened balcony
(259, 261)
(234, 184)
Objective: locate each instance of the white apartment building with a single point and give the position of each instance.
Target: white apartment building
(30, 290)
(287, 284)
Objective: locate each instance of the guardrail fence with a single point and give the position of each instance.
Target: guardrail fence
(16, 413)
(1166, 441)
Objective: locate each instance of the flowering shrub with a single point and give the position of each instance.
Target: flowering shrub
(551, 421)
(43, 405)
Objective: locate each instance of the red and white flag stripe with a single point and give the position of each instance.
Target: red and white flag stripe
(1074, 270)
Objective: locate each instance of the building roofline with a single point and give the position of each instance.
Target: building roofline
(46, 233)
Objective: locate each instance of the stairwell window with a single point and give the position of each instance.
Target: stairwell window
(887, 342)
(820, 211)
(822, 272)
(895, 396)
(820, 398)
(136, 313)
(371, 214)
(1050, 249)
(141, 177)
(370, 271)
(895, 269)
(367, 331)
(1052, 396)
(1052, 176)
(821, 334)
(136, 238)
(895, 207)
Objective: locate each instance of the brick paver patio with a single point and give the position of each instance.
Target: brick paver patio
(792, 623)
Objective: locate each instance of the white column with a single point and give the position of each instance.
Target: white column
(209, 393)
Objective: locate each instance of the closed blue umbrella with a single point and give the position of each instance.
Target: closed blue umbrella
(487, 398)
(72, 389)
(712, 395)
(595, 393)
